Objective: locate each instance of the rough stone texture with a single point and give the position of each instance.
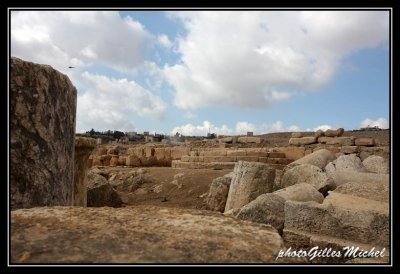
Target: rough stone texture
(268, 208)
(343, 141)
(218, 193)
(297, 134)
(341, 177)
(319, 133)
(349, 149)
(376, 164)
(143, 234)
(250, 181)
(301, 192)
(365, 142)
(334, 133)
(302, 141)
(308, 174)
(342, 216)
(42, 132)
(83, 148)
(293, 153)
(365, 152)
(226, 140)
(368, 190)
(319, 158)
(349, 162)
(100, 192)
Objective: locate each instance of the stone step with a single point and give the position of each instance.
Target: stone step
(276, 161)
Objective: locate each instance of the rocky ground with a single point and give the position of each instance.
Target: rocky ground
(160, 186)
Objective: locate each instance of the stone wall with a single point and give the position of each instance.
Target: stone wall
(42, 132)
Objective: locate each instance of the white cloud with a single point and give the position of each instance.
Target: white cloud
(293, 128)
(201, 130)
(190, 115)
(111, 103)
(321, 127)
(251, 59)
(381, 123)
(78, 38)
(164, 41)
(241, 128)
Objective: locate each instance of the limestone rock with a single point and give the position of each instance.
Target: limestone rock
(301, 192)
(341, 177)
(342, 216)
(376, 164)
(297, 134)
(302, 141)
(308, 174)
(349, 149)
(349, 162)
(143, 234)
(343, 141)
(266, 209)
(368, 190)
(293, 153)
(100, 192)
(251, 180)
(334, 133)
(245, 140)
(319, 133)
(365, 142)
(319, 158)
(218, 193)
(83, 148)
(42, 133)
(365, 152)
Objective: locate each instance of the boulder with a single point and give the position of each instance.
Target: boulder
(376, 164)
(293, 153)
(341, 220)
(334, 133)
(100, 192)
(349, 149)
(365, 142)
(308, 174)
(368, 190)
(251, 179)
(343, 141)
(301, 192)
(297, 134)
(319, 133)
(365, 152)
(137, 235)
(218, 193)
(266, 209)
(42, 135)
(341, 177)
(319, 158)
(302, 141)
(349, 162)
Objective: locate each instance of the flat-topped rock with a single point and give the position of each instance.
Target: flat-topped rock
(319, 158)
(143, 234)
(334, 133)
(302, 141)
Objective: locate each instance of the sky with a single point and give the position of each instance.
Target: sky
(224, 72)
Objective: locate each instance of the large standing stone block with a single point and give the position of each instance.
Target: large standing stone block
(42, 132)
(251, 179)
(83, 148)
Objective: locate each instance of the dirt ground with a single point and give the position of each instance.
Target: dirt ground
(161, 188)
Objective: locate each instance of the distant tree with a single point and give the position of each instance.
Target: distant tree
(118, 134)
(92, 132)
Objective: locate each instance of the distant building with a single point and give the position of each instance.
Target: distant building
(249, 133)
(146, 133)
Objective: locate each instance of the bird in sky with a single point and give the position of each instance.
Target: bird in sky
(71, 67)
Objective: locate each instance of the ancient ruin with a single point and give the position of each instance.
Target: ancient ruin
(230, 199)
